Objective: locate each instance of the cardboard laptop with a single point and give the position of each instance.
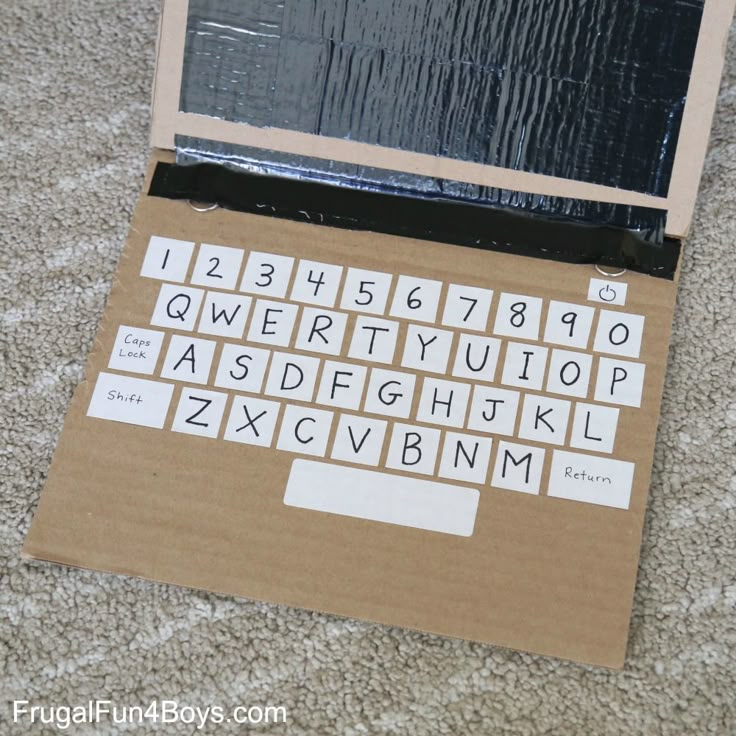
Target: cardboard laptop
(389, 333)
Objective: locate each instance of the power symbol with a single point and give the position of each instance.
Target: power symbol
(607, 294)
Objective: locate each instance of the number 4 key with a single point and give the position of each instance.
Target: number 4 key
(316, 283)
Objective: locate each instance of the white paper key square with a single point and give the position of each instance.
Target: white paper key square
(359, 439)
(267, 274)
(224, 314)
(199, 412)
(569, 373)
(188, 359)
(390, 393)
(476, 357)
(443, 402)
(467, 307)
(619, 334)
(366, 291)
(544, 419)
(465, 457)
(619, 382)
(321, 331)
(518, 467)
(136, 350)
(292, 376)
(427, 349)
(167, 259)
(252, 421)
(594, 427)
(217, 266)
(305, 430)
(416, 299)
(242, 368)
(177, 307)
(518, 316)
(374, 339)
(272, 322)
(568, 324)
(524, 366)
(493, 410)
(341, 385)
(316, 283)
(607, 292)
(413, 448)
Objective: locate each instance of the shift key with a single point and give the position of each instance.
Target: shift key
(130, 400)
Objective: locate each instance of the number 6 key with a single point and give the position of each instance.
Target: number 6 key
(416, 299)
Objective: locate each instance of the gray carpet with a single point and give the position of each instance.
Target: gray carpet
(74, 89)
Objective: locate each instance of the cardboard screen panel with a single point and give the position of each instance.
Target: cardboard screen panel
(563, 165)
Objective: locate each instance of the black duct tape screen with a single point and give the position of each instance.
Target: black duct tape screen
(591, 90)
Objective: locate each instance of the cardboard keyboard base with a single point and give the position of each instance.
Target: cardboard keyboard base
(540, 574)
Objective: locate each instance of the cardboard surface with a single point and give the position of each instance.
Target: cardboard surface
(680, 202)
(541, 574)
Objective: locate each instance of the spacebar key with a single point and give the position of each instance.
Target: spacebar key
(394, 499)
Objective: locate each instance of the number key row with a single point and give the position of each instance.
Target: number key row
(414, 299)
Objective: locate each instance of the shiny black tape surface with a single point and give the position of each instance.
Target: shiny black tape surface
(648, 223)
(437, 220)
(588, 90)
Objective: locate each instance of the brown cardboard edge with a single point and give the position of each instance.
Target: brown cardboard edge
(168, 73)
(697, 121)
(29, 556)
(703, 90)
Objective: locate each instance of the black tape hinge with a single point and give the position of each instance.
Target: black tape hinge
(435, 219)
